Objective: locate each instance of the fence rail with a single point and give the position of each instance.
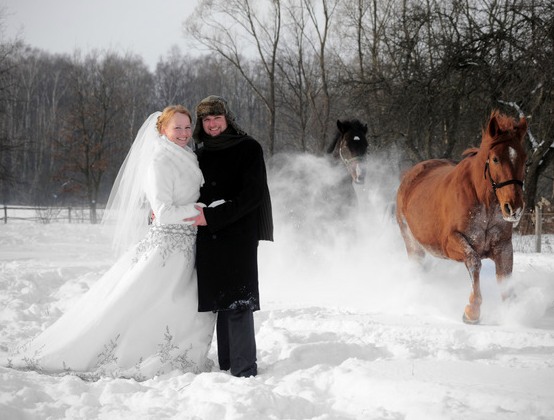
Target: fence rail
(44, 214)
(541, 227)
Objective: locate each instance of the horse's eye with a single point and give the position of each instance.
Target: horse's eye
(495, 160)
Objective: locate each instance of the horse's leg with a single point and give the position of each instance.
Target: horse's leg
(415, 251)
(457, 247)
(472, 311)
(503, 257)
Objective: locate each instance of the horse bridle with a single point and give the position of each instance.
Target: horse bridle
(347, 162)
(496, 185)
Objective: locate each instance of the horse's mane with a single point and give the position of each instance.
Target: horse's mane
(472, 151)
(355, 124)
(504, 122)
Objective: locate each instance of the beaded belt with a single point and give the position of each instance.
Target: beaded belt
(187, 230)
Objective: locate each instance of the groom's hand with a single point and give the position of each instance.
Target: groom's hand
(199, 219)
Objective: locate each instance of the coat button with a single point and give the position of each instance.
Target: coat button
(214, 236)
(214, 183)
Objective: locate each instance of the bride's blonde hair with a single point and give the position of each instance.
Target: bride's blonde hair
(168, 112)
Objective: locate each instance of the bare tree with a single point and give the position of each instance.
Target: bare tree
(319, 89)
(94, 124)
(229, 28)
(365, 71)
(293, 71)
(173, 79)
(532, 35)
(424, 74)
(8, 69)
(40, 94)
(517, 43)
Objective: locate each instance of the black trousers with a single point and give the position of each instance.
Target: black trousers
(236, 343)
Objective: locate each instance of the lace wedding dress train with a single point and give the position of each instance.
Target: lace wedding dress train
(139, 320)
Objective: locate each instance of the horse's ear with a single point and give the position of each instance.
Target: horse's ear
(365, 128)
(494, 128)
(331, 148)
(340, 126)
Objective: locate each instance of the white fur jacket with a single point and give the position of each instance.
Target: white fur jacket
(173, 183)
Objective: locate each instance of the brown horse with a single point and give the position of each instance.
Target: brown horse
(465, 211)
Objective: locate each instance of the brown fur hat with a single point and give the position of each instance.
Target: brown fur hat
(214, 105)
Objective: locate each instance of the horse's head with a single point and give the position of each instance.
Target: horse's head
(505, 162)
(350, 145)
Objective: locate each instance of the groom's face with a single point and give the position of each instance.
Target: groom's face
(214, 125)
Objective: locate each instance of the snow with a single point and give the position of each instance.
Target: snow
(349, 329)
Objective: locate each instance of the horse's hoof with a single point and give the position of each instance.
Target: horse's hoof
(469, 320)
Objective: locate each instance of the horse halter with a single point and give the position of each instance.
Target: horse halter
(496, 185)
(345, 160)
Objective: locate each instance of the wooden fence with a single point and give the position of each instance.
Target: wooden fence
(68, 214)
(537, 223)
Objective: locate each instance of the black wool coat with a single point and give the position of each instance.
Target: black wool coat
(227, 248)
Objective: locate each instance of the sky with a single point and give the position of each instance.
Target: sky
(145, 27)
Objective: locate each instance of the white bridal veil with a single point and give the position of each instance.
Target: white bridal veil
(127, 211)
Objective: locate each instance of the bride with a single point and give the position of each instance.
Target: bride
(141, 318)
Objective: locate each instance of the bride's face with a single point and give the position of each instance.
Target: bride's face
(178, 129)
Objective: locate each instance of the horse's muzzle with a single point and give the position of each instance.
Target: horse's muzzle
(511, 215)
(358, 173)
(360, 180)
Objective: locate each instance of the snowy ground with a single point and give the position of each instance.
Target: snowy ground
(348, 328)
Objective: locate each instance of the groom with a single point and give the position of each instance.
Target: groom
(237, 217)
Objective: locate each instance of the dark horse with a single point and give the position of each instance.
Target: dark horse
(465, 212)
(350, 145)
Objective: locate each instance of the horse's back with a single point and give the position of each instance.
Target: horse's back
(424, 176)
(421, 203)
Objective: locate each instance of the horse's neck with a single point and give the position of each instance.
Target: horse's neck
(474, 168)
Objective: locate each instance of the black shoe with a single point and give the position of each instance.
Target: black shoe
(251, 371)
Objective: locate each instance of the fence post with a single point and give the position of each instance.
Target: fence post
(538, 227)
(5, 214)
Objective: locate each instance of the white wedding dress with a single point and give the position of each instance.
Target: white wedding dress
(141, 318)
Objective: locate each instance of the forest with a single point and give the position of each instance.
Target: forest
(424, 75)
